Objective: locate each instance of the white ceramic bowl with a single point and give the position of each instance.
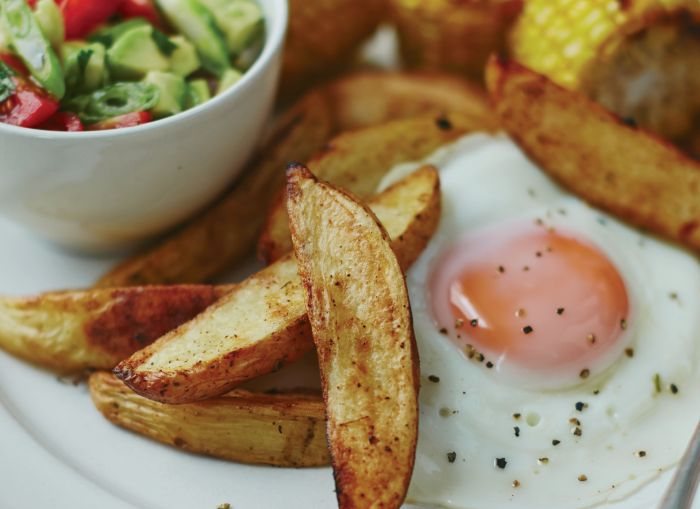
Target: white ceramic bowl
(105, 190)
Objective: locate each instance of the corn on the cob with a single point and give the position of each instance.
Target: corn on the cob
(452, 35)
(639, 58)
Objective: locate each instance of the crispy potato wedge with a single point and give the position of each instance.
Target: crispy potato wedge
(72, 331)
(374, 150)
(357, 303)
(623, 170)
(225, 233)
(322, 38)
(285, 430)
(261, 324)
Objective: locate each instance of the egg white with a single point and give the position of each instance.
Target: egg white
(470, 411)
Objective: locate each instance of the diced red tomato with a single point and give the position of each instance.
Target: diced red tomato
(28, 106)
(63, 121)
(141, 9)
(14, 63)
(32, 3)
(127, 120)
(83, 16)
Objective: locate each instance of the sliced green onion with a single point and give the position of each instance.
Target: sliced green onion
(114, 100)
(7, 85)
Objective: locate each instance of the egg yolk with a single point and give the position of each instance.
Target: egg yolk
(532, 298)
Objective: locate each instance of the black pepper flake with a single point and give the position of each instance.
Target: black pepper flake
(526, 268)
(501, 269)
(458, 323)
(451, 456)
(640, 454)
(543, 461)
(580, 406)
(516, 484)
(480, 357)
(596, 392)
(538, 254)
(443, 330)
(629, 121)
(474, 322)
(516, 416)
(501, 463)
(591, 338)
(575, 421)
(528, 329)
(673, 296)
(556, 442)
(577, 431)
(517, 431)
(434, 379)
(489, 364)
(629, 352)
(674, 388)
(560, 311)
(623, 324)
(443, 123)
(585, 373)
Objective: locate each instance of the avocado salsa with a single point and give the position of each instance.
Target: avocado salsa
(74, 65)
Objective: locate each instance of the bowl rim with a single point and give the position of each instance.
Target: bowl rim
(274, 38)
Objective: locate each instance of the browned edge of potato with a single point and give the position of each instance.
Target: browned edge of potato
(322, 38)
(71, 331)
(224, 234)
(285, 430)
(262, 324)
(618, 168)
(375, 150)
(358, 307)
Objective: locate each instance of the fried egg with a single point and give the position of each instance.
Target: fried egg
(559, 347)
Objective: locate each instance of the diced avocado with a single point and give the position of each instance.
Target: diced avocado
(135, 53)
(198, 92)
(111, 33)
(31, 46)
(240, 20)
(228, 79)
(183, 60)
(50, 19)
(196, 23)
(173, 93)
(85, 66)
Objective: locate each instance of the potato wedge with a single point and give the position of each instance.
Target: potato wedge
(623, 170)
(358, 160)
(357, 303)
(224, 234)
(322, 38)
(72, 331)
(261, 324)
(285, 430)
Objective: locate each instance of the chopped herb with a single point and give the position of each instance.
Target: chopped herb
(501, 463)
(556, 442)
(673, 296)
(527, 329)
(543, 461)
(623, 324)
(451, 456)
(596, 392)
(434, 379)
(575, 421)
(446, 412)
(165, 45)
(83, 59)
(516, 416)
(585, 373)
(7, 84)
(657, 383)
(224, 506)
(582, 478)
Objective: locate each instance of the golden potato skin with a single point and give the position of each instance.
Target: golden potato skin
(375, 151)
(71, 331)
(357, 303)
(225, 233)
(322, 38)
(621, 169)
(284, 430)
(452, 35)
(261, 324)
